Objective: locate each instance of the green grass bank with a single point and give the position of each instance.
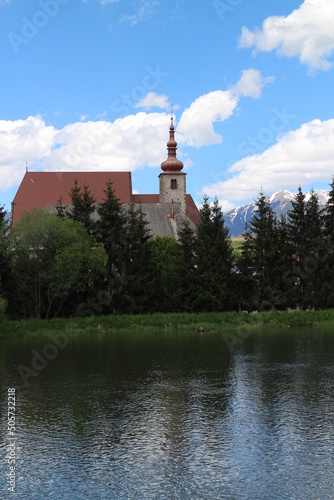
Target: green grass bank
(168, 322)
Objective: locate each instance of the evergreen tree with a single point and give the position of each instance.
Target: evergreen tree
(326, 253)
(296, 225)
(4, 254)
(166, 255)
(246, 283)
(284, 286)
(139, 287)
(9, 286)
(328, 216)
(61, 209)
(186, 267)
(263, 232)
(83, 206)
(214, 261)
(312, 264)
(314, 222)
(111, 233)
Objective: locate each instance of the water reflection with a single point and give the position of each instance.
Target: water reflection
(174, 416)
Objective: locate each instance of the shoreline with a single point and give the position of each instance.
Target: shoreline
(168, 322)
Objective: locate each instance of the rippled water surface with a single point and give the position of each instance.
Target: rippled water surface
(172, 415)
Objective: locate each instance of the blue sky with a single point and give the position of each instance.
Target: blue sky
(89, 84)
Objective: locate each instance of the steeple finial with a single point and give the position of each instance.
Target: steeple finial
(172, 164)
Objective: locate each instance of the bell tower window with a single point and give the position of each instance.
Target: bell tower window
(173, 184)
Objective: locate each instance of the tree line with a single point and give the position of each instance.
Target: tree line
(102, 259)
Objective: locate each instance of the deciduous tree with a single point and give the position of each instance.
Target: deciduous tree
(54, 260)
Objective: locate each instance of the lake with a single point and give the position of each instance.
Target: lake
(170, 415)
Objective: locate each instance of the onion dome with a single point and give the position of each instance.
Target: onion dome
(172, 164)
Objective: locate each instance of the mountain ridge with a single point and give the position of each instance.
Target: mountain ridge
(280, 202)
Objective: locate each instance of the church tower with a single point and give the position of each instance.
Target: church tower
(172, 182)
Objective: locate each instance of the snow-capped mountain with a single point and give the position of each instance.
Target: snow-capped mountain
(280, 202)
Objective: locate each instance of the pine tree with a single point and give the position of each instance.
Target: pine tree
(186, 267)
(312, 264)
(328, 216)
(111, 233)
(314, 222)
(214, 261)
(75, 194)
(296, 224)
(139, 285)
(61, 209)
(262, 229)
(283, 289)
(297, 232)
(326, 253)
(4, 255)
(9, 286)
(166, 255)
(246, 283)
(83, 206)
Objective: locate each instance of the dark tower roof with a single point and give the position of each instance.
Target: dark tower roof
(172, 164)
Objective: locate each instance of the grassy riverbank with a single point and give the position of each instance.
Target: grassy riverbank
(168, 322)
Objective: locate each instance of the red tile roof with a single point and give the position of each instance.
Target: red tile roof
(38, 189)
(192, 210)
(145, 198)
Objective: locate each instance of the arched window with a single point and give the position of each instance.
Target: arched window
(173, 184)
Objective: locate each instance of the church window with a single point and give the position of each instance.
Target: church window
(173, 184)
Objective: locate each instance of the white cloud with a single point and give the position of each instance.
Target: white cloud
(196, 123)
(299, 157)
(153, 100)
(306, 33)
(251, 83)
(22, 141)
(127, 144)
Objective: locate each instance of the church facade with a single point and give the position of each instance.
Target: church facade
(164, 211)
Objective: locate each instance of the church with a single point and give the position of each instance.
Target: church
(164, 212)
